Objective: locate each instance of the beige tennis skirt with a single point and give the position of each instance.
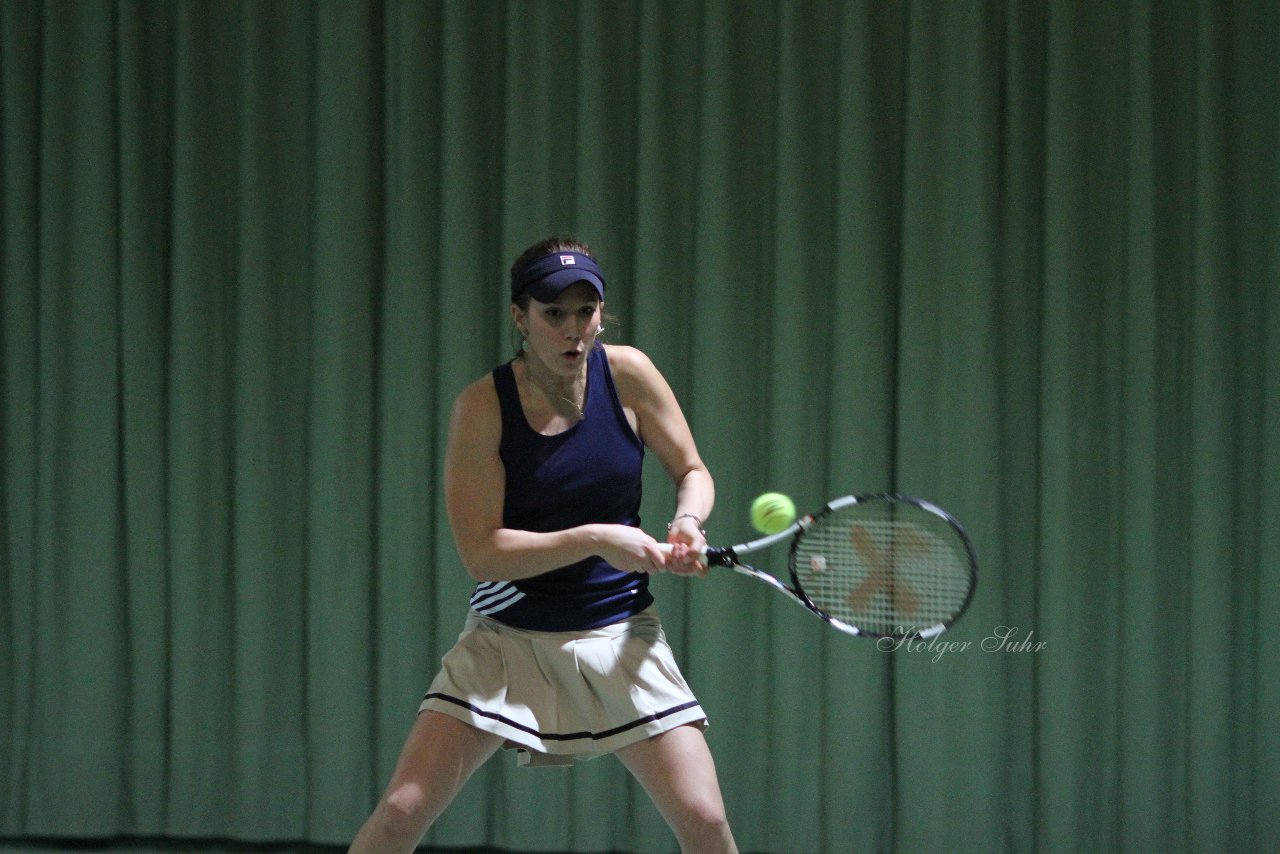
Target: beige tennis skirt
(562, 697)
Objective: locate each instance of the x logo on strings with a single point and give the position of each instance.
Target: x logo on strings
(907, 543)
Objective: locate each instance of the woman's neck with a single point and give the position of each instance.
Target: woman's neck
(565, 394)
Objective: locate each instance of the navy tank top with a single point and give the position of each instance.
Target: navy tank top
(588, 474)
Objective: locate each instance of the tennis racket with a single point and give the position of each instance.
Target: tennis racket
(872, 565)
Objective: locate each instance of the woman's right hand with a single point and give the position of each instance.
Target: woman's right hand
(631, 549)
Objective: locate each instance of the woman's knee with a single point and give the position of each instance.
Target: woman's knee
(404, 811)
(704, 831)
(704, 817)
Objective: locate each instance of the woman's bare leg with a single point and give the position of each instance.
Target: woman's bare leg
(677, 771)
(439, 756)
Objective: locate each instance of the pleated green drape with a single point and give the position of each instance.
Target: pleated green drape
(1022, 259)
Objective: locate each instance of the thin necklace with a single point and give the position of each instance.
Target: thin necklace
(551, 396)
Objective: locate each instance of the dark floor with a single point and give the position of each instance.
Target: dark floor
(195, 846)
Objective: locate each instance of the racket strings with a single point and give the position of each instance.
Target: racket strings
(886, 569)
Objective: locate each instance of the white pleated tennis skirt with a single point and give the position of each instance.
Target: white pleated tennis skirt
(562, 697)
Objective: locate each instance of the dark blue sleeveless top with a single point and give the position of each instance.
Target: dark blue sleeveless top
(588, 474)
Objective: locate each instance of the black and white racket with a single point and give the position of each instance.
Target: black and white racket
(872, 565)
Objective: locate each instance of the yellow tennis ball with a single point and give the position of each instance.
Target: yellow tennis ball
(772, 512)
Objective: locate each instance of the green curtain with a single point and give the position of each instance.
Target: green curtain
(1020, 258)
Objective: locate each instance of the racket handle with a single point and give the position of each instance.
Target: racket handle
(710, 556)
(667, 549)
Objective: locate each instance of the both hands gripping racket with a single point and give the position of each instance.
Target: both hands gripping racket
(872, 565)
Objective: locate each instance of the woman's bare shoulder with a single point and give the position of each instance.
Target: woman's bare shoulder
(629, 362)
(476, 406)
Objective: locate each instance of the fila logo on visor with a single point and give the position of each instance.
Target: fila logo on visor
(565, 260)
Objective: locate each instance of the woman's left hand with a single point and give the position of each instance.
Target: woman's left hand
(687, 542)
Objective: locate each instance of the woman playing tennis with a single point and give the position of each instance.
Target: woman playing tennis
(562, 657)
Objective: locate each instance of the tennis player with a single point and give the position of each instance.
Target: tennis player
(562, 657)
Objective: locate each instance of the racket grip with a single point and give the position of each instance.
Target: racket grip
(667, 549)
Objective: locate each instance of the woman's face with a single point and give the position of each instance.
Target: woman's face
(560, 334)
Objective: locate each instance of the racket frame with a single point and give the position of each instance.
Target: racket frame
(730, 557)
